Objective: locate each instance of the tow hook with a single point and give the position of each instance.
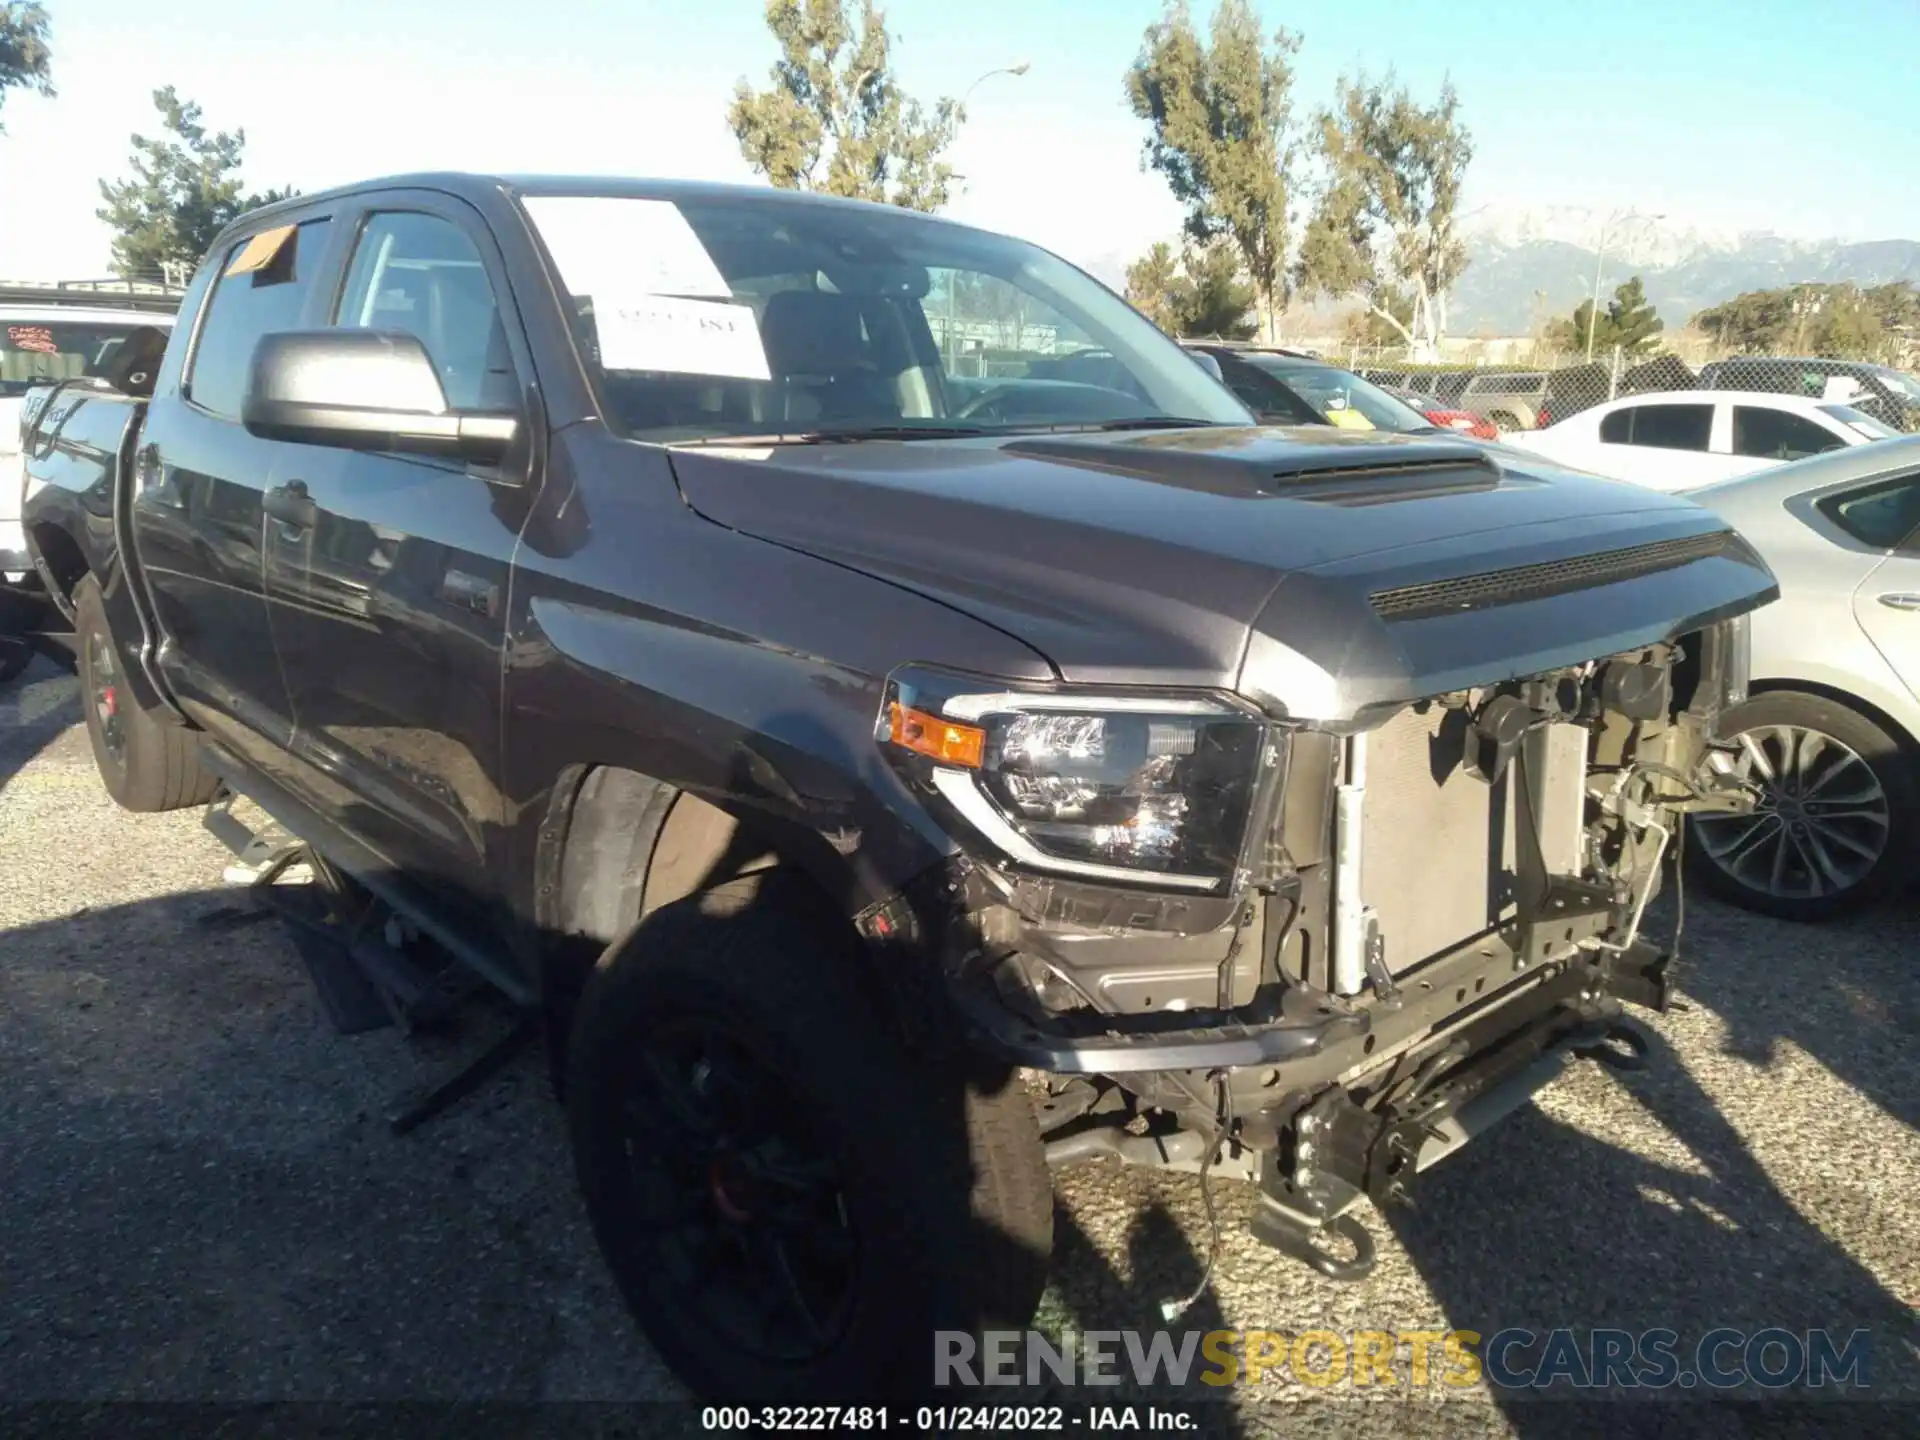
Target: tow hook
(1291, 1234)
(1621, 1045)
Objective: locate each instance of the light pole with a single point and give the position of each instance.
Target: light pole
(1593, 307)
(1016, 70)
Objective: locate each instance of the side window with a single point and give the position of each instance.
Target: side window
(990, 329)
(1671, 427)
(1779, 434)
(1617, 428)
(1881, 514)
(421, 275)
(268, 295)
(1264, 395)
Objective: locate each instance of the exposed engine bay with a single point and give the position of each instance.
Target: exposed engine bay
(1450, 901)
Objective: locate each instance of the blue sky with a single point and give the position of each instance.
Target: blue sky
(1723, 115)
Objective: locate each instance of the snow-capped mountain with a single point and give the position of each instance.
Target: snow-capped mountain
(1529, 267)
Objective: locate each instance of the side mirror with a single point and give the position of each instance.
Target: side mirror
(364, 390)
(135, 362)
(1208, 363)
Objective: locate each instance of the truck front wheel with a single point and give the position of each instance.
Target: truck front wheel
(145, 763)
(790, 1203)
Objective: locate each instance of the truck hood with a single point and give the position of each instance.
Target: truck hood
(1320, 571)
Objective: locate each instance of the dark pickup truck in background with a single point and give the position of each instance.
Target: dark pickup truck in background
(654, 599)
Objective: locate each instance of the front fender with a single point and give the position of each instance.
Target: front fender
(729, 668)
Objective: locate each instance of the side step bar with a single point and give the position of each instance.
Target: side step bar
(352, 937)
(366, 869)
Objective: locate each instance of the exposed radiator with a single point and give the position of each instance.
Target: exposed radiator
(1437, 855)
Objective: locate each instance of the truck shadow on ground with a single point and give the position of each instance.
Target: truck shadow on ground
(199, 1200)
(1590, 1234)
(36, 708)
(1851, 1000)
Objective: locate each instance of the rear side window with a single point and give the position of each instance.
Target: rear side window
(1881, 514)
(35, 350)
(1767, 434)
(247, 303)
(1660, 427)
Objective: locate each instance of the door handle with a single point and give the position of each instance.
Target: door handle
(291, 505)
(1901, 601)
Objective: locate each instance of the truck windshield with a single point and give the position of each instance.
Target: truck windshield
(33, 351)
(717, 318)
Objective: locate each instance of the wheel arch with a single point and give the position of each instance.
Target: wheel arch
(617, 845)
(1901, 734)
(65, 564)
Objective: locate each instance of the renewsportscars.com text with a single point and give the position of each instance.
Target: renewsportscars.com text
(1510, 1359)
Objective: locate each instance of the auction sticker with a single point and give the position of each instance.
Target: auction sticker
(679, 336)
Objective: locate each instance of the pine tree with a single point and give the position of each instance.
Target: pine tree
(835, 119)
(185, 189)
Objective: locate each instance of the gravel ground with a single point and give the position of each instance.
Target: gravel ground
(199, 1199)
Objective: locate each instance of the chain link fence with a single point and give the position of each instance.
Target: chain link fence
(1533, 396)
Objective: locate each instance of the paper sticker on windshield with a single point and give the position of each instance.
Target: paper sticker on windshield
(608, 245)
(1349, 419)
(259, 252)
(682, 337)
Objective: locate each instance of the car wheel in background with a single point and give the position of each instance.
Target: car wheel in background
(1835, 824)
(1503, 422)
(146, 763)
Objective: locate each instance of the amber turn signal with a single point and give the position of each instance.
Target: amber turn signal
(935, 738)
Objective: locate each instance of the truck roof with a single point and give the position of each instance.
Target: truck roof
(469, 185)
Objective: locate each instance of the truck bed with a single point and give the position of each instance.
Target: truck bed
(74, 442)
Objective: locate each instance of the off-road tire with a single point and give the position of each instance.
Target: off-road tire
(943, 1171)
(158, 767)
(1892, 766)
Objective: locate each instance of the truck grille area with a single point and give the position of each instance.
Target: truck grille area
(1439, 847)
(1553, 577)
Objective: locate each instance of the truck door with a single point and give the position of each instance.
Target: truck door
(388, 575)
(199, 479)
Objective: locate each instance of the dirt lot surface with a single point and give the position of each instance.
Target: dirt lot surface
(200, 1199)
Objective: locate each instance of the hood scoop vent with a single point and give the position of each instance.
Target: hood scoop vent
(1554, 577)
(1325, 468)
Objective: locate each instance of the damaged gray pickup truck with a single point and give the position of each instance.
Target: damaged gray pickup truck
(892, 722)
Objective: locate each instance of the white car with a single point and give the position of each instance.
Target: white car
(44, 337)
(1677, 439)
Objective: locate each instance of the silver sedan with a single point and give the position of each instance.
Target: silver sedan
(1832, 729)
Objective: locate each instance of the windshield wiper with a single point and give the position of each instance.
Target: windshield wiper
(843, 435)
(1134, 422)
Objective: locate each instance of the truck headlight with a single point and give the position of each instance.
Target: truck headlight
(1146, 789)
